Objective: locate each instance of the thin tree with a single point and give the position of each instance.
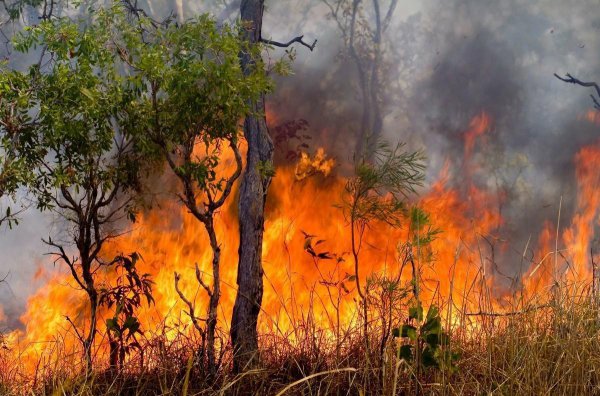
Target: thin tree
(192, 95)
(67, 110)
(255, 182)
(377, 192)
(363, 27)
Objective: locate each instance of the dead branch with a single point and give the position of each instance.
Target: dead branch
(77, 333)
(511, 313)
(187, 302)
(298, 40)
(201, 282)
(572, 80)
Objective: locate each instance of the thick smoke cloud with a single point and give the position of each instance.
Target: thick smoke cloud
(500, 57)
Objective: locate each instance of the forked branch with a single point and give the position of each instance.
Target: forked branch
(299, 40)
(572, 80)
(191, 307)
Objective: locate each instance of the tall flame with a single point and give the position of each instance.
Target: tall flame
(171, 240)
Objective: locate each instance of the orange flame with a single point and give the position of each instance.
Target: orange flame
(171, 240)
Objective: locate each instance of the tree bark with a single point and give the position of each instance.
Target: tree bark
(215, 294)
(253, 192)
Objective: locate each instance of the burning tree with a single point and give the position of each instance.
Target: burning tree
(377, 193)
(65, 114)
(192, 95)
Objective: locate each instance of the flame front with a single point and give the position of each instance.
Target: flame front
(296, 285)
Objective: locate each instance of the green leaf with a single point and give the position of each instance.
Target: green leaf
(432, 326)
(433, 312)
(416, 312)
(428, 357)
(433, 339)
(408, 331)
(406, 352)
(112, 324)
(87, 93)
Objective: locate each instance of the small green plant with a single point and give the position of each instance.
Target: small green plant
(377, 193)
(266, 169)
(426, 344)
(126, 298)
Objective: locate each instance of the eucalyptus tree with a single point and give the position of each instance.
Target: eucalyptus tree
(110, 100)
(193, 95)
(254, 187)
(63, 124)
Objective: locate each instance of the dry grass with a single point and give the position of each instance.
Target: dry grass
(545, 344)
(551, 348)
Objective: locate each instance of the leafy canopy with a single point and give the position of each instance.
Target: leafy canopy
(382, 183)
(109, 97)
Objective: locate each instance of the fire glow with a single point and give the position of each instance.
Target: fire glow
(302, 202)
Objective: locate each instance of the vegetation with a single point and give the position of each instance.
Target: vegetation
(118, 100)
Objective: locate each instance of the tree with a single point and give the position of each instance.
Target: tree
(192, 94)
(377, 193)
(253, 193)
(255, 182)
(13, 170)
(363, 30)
(66, 114)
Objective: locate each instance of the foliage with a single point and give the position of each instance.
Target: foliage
(14, 9)
(125, 297)
(110, 100)
(190, 91)
(426, 343)
(378, 190)
(69, 108)
(189, 95)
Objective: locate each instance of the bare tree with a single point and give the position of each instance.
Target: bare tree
(363, 28)
(253, 194)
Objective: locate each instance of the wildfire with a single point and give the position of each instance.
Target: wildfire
(480, 124)
(308, 166)
(569, 250)
(171, 240)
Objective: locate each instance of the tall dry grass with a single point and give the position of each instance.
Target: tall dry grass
(546, 343)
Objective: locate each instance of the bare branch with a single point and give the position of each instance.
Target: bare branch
(204, 285)
(298, 39)
(572, 80)
(63, 256)
(191, 312)
(77, 333)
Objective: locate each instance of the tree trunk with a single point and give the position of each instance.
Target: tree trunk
(88, 343)
(211, 323)
(253, 193)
